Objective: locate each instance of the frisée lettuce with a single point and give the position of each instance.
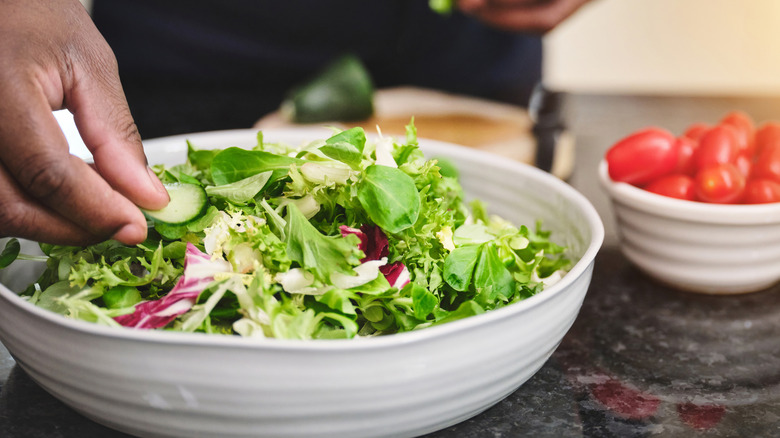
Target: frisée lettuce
(337, 238)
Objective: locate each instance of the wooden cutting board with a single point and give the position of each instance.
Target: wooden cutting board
(494, 127)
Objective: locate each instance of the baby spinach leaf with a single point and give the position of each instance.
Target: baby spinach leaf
(466, 309)
(234, 164)
(344, 152)
(355, 137)
(200, 158)
(241, 191)
(389, 197)
(10, 252)
(424, 302)
(491, 278)
(346, 146)
(459, 266)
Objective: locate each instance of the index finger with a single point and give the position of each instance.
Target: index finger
(36, 154)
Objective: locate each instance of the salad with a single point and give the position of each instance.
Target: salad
(338, 238)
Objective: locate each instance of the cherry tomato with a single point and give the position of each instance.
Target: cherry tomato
(717, 146)
(674, 186)
(695, 131)
(768, 134)
(642, 157)
(744, 126)
(761, 191)
(767, 163)
(686, 148)
(721, 184)
(744, 163)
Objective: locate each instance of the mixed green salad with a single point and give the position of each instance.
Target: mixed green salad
(337, 238)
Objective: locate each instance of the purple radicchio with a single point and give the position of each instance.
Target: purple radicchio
(373, 243)
(199, 271)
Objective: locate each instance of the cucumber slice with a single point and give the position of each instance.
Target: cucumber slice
(343, 91)
(188, 202)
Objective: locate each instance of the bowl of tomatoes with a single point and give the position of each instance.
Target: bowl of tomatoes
(700, 211)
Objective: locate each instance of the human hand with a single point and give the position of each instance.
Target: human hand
(53, 57)
(538, 16)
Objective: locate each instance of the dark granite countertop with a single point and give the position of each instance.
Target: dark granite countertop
(641, 359)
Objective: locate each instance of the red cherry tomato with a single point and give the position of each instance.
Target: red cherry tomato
(767, 164)
(717, 146)
(744, 126)
(642, 157)
(744, 163)
(721, 184)
(767, 135)
(695, 131)
(685, 152)
(674, 186)
(761, 191)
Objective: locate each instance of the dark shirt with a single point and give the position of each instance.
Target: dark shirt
(196, 65)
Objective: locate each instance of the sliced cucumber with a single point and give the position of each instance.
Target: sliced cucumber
(188, 202)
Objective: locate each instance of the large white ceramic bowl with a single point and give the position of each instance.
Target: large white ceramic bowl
(697, 246)
(168, 384)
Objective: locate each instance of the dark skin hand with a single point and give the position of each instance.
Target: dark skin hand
(53, 57)
(535, 16)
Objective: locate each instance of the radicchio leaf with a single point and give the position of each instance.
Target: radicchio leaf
(199, 271)
(374, 244)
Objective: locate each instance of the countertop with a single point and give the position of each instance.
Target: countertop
(640, 360)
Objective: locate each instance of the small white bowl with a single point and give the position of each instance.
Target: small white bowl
(697, 246)
(168, 384)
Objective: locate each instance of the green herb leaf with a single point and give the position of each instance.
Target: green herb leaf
(121, 296)
(355, 137)
(389, 197)
(322, 255)
(459, 266)
(491, 278)
(345, 152)
(241, 191)
(465, 310)
(10, 252)
(234, 164)
(424, 302)
(200, 158)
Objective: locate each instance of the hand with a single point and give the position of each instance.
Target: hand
(537, 16)
(53, 57)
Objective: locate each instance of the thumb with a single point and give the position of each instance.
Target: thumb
(104, 121)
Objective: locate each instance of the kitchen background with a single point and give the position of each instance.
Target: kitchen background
(722, 47)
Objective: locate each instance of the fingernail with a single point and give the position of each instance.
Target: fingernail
(158, 185)
(130, 234)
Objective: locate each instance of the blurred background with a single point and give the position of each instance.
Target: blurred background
(722, 47)
(716, 47)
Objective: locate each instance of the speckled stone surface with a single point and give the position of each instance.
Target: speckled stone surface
(641, 360)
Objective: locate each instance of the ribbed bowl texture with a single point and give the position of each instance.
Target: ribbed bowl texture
(697, 246)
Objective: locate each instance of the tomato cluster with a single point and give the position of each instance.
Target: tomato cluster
(730, 162)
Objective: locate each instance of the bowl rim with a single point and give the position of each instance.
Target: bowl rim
(693, 211)
(396, 340)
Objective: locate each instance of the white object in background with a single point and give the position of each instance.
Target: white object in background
(686, 47)
(75, 143)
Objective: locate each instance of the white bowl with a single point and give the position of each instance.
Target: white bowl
(168, 384)
(697, 246)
